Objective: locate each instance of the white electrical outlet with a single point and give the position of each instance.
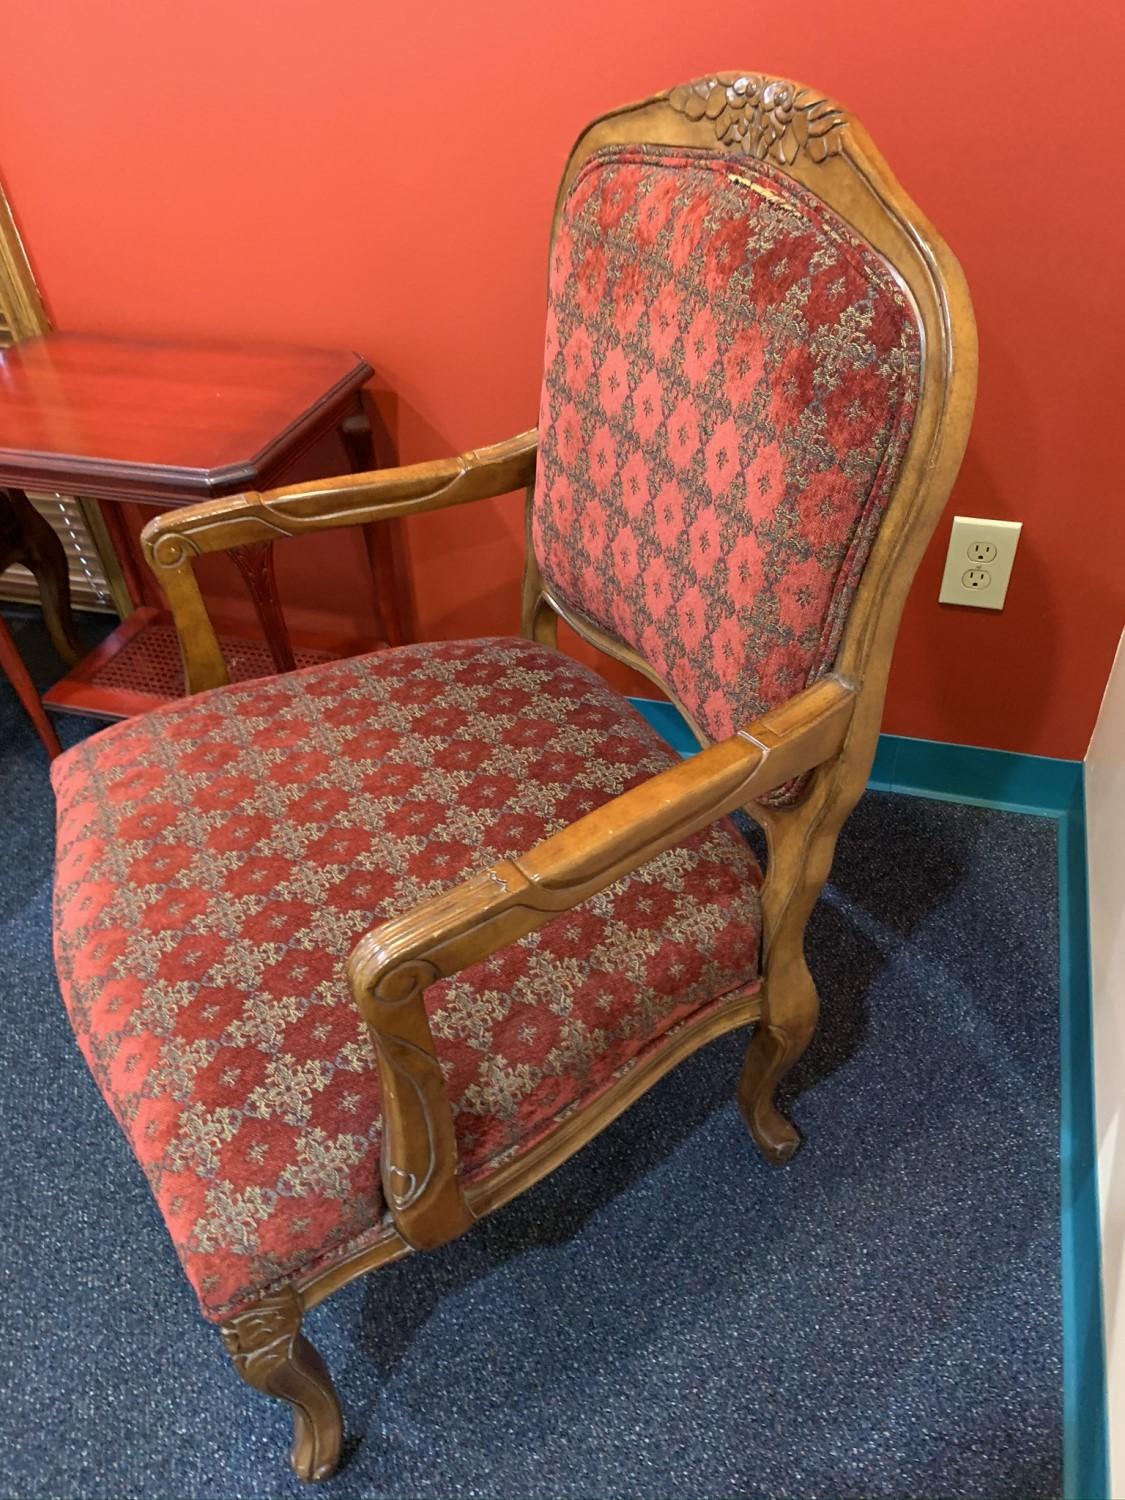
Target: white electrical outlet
(979, 562)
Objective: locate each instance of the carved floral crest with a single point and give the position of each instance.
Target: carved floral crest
(763, 117)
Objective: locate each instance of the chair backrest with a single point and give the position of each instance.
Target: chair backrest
(759, 375)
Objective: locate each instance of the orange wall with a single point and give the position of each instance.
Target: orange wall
(275, 169)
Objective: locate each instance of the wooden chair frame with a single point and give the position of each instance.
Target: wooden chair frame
(829, 730)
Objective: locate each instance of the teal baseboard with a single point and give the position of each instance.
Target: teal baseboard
(965, 773)
(668, 722)
(1041, 787)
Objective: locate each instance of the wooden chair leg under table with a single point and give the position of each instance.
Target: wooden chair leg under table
(12, 665)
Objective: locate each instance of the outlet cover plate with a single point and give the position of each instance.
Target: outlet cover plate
(979, 562)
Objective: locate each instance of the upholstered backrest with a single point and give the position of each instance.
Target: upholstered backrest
(730, 383)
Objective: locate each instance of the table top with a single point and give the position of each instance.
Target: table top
(163, 421)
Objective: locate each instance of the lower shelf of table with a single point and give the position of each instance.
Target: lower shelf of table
(137, 667)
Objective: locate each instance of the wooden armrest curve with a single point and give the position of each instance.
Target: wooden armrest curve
(172, 540)
(391, 967)
(349, 500)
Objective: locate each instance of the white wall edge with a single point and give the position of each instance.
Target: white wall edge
(1105, 844)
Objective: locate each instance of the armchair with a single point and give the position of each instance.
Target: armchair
(759, 375)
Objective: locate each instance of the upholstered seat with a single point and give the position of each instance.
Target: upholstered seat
(219, 859)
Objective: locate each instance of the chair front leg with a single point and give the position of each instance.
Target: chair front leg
(802, 841)
(785, 1029)
(271, 1353)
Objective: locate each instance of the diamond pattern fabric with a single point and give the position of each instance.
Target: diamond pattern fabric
(217, 860)
(729, 388)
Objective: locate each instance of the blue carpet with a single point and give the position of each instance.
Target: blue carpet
(666, 1316)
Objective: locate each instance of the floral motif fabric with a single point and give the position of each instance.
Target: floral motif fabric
(729, 389)
(218, 859)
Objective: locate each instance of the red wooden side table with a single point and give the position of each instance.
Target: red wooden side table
(124, 421)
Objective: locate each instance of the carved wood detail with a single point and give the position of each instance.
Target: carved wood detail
(269, 1351)
(261, 1340)
(764, 117)
(254, 560)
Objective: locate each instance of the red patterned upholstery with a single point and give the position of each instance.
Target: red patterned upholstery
(217, 860)
(729, 390)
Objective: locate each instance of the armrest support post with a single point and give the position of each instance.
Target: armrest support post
(173, 540)
(392, 966)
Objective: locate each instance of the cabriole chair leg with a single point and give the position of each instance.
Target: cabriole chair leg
(271, 1353)
(785, 1030)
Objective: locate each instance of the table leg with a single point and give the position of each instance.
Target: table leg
(122, 543)
(11, 662)
(255, 562)
(386, 556)
(45, 556)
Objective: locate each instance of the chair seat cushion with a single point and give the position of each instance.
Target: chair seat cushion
(218, 859)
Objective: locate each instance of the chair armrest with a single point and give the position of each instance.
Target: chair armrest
(173, 539)
(391, 967)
